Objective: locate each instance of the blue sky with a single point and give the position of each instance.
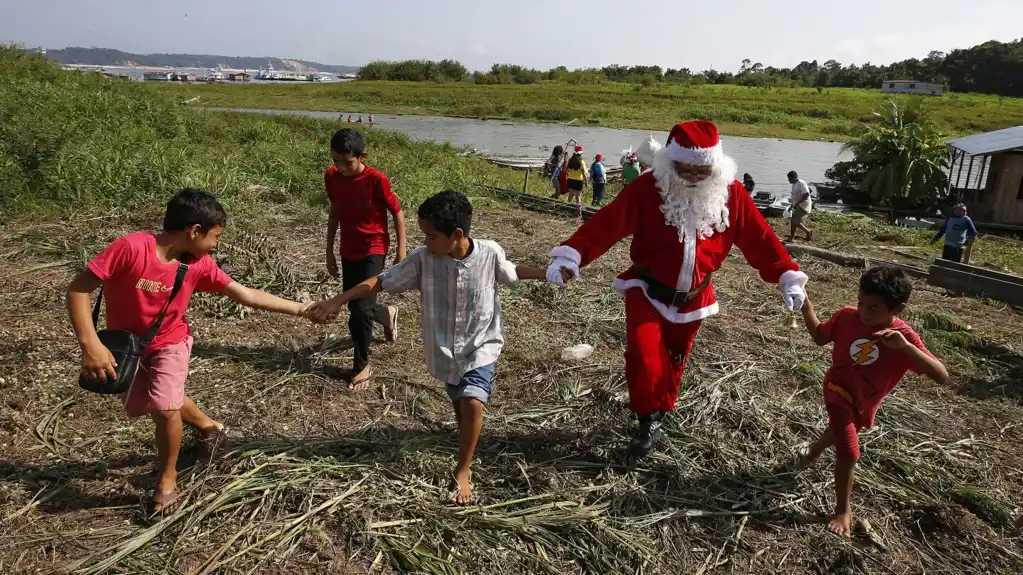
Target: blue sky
(542, 34)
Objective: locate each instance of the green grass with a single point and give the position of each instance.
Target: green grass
(869, 236)
(73, 143)
(834, 114)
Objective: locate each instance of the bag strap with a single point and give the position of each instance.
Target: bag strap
(178, 280)
(95, 309)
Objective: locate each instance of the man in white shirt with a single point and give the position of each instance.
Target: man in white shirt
(801, 206)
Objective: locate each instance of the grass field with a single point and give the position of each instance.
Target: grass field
(323, 481)
(803, 113)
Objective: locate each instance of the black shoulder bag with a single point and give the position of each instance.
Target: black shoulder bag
(126, 347)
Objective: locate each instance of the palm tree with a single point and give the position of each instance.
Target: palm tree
(904, 155)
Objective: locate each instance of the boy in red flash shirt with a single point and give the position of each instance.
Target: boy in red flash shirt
(873, 351)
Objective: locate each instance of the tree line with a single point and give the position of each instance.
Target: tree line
(989, 68)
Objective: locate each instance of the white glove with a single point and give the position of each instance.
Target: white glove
(554, 271)
(792, 286)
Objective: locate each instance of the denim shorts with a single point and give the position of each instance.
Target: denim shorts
(475, 384)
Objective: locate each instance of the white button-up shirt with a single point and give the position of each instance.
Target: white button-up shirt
(461, 306)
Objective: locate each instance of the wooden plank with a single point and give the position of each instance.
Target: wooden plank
(971, 284)
(847, 260)
(978, 271)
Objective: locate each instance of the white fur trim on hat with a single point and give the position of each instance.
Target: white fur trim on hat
(695, 156)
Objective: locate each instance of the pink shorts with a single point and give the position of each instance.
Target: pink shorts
(159, 384)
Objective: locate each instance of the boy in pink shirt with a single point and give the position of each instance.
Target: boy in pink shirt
(137, 274)
(873, 350)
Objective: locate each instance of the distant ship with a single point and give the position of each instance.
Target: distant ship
(269, 73)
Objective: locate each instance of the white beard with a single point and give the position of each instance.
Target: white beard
(703, 205)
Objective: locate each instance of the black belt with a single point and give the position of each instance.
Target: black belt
(665, 294)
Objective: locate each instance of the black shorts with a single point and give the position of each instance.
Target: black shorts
(575, 185)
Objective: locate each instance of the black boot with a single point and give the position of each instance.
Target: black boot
(647, 435)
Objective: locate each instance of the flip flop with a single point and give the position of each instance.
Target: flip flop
(165, 502)
(391, 331)
(368, 381)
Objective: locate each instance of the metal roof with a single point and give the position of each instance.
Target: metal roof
(990, 142)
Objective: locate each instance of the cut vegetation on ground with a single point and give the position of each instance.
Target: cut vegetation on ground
(322, 481)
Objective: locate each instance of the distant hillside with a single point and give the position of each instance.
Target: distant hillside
(109, 57)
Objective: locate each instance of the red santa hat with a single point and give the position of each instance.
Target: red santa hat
(696, 143)
(578, 149)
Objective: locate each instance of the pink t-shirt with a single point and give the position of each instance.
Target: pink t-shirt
(136, 285)
(863, 371)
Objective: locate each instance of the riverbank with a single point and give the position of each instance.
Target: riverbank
(798, 113)
(92, 146)
(319, 480)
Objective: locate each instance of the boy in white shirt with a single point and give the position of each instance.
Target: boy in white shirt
(457, 277)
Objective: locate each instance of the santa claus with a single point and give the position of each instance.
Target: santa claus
(684, 216)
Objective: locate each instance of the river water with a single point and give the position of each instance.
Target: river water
(768, 160)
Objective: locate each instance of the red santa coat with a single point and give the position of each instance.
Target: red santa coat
(685, 264)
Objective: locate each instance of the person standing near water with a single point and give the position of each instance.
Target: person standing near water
(748, 183)
(575, 172)
(371, 118)
(599, 175)
(801, 206)
(630, 170)
(959, 233)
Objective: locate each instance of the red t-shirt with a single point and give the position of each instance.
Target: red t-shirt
(863, 371)
(136, 285)
(361, 204)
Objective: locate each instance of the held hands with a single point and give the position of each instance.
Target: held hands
(793, 284)
(893, 339)
(324, 311)
(561, 271)
(98, 363)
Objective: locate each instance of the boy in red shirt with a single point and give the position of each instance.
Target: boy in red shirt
(360, 199)
(873, 350)
(137, 273)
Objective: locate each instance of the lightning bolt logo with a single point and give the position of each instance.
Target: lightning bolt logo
(864, 352)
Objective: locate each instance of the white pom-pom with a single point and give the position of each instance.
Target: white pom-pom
(647, 150)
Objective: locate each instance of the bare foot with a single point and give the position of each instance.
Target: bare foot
(215, 436)
(804, 459)
(362, 381)
(463, 488)
(391, 331)
(841, 524)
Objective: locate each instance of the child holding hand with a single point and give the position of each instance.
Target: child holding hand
(873, 350)
(457, 277)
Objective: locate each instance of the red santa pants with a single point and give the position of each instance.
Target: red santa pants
(655, 354)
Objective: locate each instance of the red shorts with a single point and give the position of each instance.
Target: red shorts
(845, 430)
(159, 384)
